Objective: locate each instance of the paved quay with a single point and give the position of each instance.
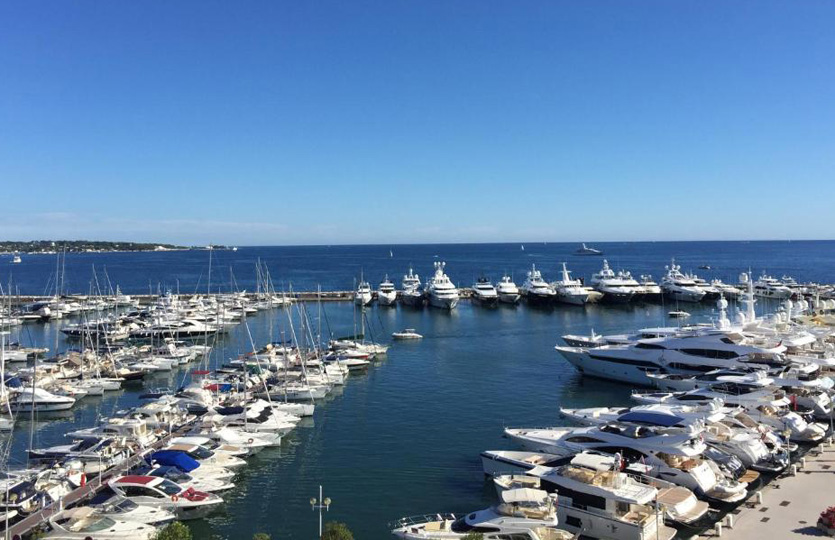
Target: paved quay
(791, 504)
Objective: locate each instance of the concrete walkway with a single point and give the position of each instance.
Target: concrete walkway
(791, 504)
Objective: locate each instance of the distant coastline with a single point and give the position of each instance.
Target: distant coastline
(46, 247)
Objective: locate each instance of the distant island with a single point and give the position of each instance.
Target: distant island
(91, 246)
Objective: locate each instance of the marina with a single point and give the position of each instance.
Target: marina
(472, 331)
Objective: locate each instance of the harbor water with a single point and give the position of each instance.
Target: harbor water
(405, 437)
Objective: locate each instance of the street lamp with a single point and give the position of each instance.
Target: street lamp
(320, 503)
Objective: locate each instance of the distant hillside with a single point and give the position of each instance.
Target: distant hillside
(79, 246)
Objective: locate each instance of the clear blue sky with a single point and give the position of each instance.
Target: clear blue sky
(333, 121)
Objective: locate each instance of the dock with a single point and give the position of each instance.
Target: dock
(790, 504)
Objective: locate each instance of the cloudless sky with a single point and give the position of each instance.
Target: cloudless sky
(333, 121)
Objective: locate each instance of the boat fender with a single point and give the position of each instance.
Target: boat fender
(83, 479)
(175, 498)
(250, 440)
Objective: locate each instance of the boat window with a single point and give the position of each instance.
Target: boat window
(648, 346)
(583, 439)
(573, 522)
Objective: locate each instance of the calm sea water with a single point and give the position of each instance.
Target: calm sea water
(404, 438)
(337, 267)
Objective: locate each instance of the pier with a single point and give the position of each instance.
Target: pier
(790, 504)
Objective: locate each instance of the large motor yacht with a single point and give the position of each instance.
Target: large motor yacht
(536, 291)
(679, 287)
(485, 293)
(570, 291)
(386, 294)
(676, 457)
(508, 291)
(411, 294)
(596, 498)
(440, 291)
(620, 287)
(363, 297)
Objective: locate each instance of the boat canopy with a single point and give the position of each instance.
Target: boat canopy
(524, 495)
(181, 460)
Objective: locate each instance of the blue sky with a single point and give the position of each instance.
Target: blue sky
(278, 122)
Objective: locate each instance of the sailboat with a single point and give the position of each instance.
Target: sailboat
(523, 247)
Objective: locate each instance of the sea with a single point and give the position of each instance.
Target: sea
(405, 437)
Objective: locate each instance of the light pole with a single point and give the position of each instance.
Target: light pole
(320, 503)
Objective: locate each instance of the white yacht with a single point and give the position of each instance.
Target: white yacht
(597, 499)
(585, 250)
(439, 290)
(769, 287)
(522, 514)
(652, 290)
(679, 287)
(485, 293)
(620, 287)
(16, 258)
(386, 294)
(40, 400)
(745, 444)
(410, 293)
(679, 504)
(363, 296)
(84, 522)
(765, 405)
(408, 333)
(675, 457)
(679, 353)
(508, 291)
(535, 289)
(570, 291)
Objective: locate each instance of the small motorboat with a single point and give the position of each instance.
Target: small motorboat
(678, 314)
(704, 267)
(408, 333)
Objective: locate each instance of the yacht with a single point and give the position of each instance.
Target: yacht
(597, 499)
(620, 287)
(679, 287)
(27, 399)
(763, 404)
(679, 504)
(439, 290)
(485, 293)
(362, 297)
(570, 291)
(508, 291)
(386, 294)
(84, 522)
(745, 444)
(408, 333)
(685, 353)
(652, 290)
(585, 250)
(769, 287)
(523, 514)
(675, 457)
(411, 294)
(16, 258)
(187, 503)
(536, 291)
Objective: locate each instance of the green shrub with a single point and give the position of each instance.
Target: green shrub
(336, 531)
(174, 531)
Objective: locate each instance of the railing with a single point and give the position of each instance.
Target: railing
(421, 519)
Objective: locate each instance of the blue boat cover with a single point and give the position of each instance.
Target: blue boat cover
(181, 460)
(651, 418)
